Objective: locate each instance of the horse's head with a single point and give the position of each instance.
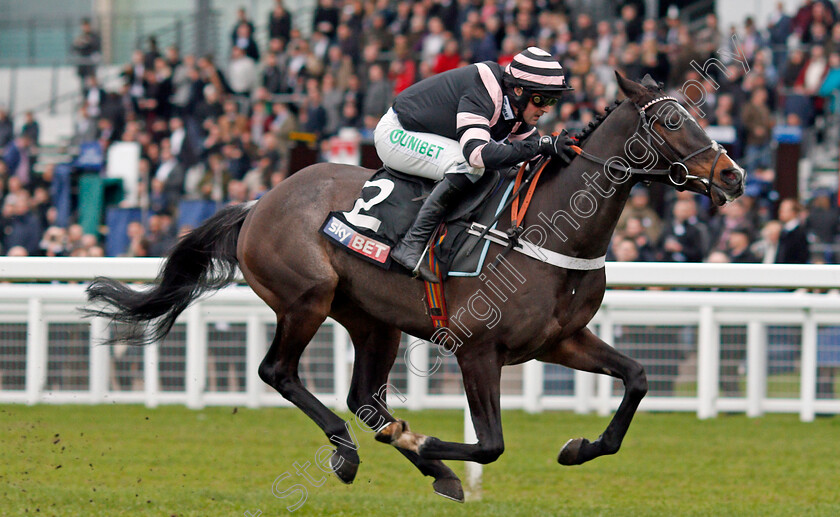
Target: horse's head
(695, 162)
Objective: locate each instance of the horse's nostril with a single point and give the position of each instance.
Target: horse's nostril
(730, 176)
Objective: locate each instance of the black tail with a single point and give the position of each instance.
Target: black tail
(203, 260)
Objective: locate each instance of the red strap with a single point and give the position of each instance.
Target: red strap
(517, 213)
(435, 298)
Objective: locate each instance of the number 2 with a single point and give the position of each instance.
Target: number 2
(353, 217)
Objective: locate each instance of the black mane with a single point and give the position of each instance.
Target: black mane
(582, 135)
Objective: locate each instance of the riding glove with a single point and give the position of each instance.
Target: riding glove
(559, 146)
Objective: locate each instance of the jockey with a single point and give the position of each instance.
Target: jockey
(451, 126)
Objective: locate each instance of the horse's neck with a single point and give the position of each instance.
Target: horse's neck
(580, 205)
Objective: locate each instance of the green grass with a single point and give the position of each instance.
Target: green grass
(129, 460)
(783, 385)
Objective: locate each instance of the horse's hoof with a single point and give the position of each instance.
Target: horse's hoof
(449, 488)
(392, 432)
(343, 468)
(570, 453)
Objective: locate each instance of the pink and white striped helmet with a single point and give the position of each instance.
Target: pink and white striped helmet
(536, 70)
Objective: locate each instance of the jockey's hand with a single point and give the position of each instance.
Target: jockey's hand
(534, 162)
(559, 146)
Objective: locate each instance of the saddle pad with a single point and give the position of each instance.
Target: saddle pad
(387, 206)
(348, 238)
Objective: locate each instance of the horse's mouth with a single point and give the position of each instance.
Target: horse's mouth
(720, 196)
(730, 187)
(717, 196)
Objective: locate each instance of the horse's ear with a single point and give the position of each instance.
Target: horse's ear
(631, 89)
(649, 82)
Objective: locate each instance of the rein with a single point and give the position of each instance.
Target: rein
(677, 173)
(516, 213)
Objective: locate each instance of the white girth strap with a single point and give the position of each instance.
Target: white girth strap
(539, 253)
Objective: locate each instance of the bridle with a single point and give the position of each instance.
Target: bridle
(677, 173)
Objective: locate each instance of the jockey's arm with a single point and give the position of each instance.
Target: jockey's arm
(480, 151)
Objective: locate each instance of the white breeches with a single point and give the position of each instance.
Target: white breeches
(419, 154)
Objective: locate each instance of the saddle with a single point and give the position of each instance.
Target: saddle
(388, 204)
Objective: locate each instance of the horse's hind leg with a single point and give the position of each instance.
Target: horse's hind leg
(585, 351)
(279, 369)
(376, 347)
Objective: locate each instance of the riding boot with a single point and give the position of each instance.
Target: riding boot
(410, 250)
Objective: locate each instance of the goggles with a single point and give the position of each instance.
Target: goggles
(539, 100)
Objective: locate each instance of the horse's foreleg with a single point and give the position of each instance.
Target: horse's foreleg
(482, 375)
(279, 369)
(376, 347)
(585, 351)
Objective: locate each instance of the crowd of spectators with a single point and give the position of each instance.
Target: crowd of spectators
(221, 128)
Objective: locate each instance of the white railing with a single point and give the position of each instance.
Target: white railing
(705, 351)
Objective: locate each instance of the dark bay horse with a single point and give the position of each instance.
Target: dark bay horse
(304, 279)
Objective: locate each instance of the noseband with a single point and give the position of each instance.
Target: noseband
(677, 173)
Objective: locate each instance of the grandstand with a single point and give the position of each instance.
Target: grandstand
(130, 117)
